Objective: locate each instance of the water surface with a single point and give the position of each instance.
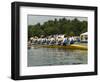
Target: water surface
(55, 56)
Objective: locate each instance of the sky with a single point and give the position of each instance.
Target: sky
(34, 19)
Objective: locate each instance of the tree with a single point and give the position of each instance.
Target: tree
(62, 26)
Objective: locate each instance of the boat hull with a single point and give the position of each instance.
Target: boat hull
(75, 47)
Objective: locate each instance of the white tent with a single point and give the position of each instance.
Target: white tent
(86, 33)
(84, 37)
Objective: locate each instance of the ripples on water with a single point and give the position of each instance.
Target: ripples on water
(55, 56)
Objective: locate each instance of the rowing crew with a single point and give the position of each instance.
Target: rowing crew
(54, 41)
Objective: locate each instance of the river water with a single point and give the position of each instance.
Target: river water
(55, 56)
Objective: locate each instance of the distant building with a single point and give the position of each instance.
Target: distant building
(84, 37)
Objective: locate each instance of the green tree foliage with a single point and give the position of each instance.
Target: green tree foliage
(62, 26)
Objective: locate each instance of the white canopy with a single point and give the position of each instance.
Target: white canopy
(86, 33)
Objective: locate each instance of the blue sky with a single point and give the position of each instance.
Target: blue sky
(34, 19)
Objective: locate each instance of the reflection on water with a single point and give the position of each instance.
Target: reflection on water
(55, 56)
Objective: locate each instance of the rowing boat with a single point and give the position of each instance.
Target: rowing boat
(73, 46)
